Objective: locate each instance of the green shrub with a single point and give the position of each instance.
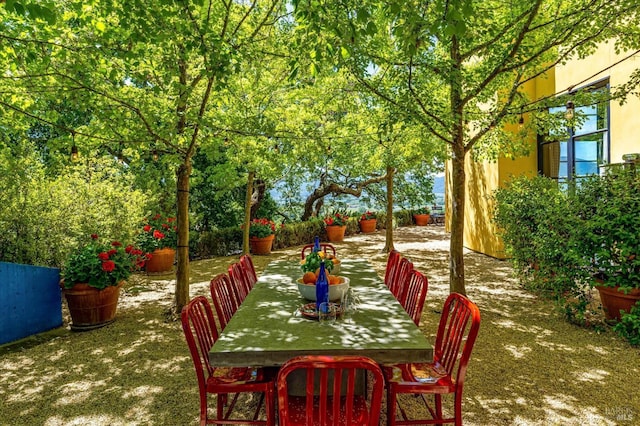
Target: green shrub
(538, 224)
(629, 325)
(42, 219)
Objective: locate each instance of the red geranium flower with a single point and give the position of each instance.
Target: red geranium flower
(103, 256)
(108, 265)
(128, 249)
(116, 243)
(157, 234)
(94, 236)
(147, 228)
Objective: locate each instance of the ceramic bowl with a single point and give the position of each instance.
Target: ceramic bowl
(308, 291)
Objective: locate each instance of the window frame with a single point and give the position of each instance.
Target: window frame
(574, 135)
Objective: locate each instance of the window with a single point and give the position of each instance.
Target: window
(581, 150)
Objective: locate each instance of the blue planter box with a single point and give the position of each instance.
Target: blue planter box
(30, 300)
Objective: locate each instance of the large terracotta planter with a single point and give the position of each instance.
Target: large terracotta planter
(91, 308)
(261, 245)
(335, 233)
(614, 301)
(161, 260)
(368, 225)
(421, 219)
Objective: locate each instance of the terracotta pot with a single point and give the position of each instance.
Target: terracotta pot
(91, 308)
(614, 301)
(368, 225)
(335, 233)
(421, 219)
(261, 245)
(161, 260)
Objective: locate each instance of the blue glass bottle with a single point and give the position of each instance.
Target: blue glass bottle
(322, 286)
(316, 244)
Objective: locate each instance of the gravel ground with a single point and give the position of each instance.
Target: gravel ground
(529, 366)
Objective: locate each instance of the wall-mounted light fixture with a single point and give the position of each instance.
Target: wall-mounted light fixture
(154, 155)
(571, 110)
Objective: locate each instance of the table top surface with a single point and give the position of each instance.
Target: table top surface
(267, 329)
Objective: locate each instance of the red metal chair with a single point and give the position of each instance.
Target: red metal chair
(247, 264)
(239, 280)
(327, 376)
(325, 247)
(400, 277)
(457, 332)
(201, 333)
(224, 298)
(413, 295)
(392, 264)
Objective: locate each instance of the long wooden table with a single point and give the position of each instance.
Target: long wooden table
(265, 331)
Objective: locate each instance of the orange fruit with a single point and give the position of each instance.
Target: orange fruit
(334, 260)
(309, 278)
(334, 279)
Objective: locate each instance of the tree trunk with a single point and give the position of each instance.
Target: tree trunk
(247, 213)
(388, 246)
(458, 179)
(257, 196)
(182, 271)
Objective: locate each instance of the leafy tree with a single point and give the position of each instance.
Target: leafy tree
(148, 70)
(458, 67)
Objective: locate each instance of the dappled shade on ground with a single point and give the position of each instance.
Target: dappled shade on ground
(529, 366)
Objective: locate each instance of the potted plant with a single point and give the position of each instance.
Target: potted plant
(368, 222)
(421, 216)
(336, 225)
(159, 238)
(611, 237)
(261, 234)
(92, 277)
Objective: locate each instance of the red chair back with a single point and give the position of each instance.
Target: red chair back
(201, 333)
(239, 280)
(326, 377)
(392, 264)
(414, 294)
(400, 277)
(325, 247)
(250, 270)
(457, 332)
(224, 298)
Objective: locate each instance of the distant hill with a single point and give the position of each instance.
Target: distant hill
(438, 185)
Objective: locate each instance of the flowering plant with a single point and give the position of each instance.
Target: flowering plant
(368, 215)
(100, 264)
(422, 210)
(336, 219)
(158, 232)
(260, 228)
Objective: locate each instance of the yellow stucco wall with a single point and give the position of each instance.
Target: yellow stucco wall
(483, 178)
(624, 119)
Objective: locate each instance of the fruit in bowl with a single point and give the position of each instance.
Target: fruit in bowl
(311, 263)
(337, 287)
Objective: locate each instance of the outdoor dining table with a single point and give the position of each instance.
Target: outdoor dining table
(267, 329)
